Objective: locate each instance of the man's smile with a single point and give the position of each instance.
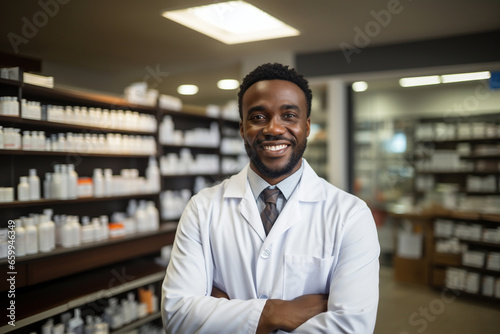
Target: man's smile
(275, 147)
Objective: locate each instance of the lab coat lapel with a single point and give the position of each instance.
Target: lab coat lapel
(309, 189)
(239, 187)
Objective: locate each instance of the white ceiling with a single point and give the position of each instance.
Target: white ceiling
(123, 41)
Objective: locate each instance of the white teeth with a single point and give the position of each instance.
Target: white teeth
(275, 148)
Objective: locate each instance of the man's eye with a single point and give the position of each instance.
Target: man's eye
(257, 117)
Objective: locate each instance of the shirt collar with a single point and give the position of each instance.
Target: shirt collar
(287, 186)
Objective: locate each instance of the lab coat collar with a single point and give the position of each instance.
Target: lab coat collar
(310, 189)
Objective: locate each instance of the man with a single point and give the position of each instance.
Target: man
(314, 270)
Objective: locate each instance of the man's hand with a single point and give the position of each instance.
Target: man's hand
(288, 315)
(217, 293)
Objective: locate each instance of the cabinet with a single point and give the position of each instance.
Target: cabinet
(466, 253)
(47, 284)
(456, 190)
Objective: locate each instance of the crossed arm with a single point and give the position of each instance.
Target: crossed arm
(283, 314)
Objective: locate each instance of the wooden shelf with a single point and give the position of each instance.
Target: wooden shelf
(48, 202)
(72, 97)
(68, 126)
(460, 140)
(175, 176)
(190, 112)
(192, 147)
(82, 154)
(63, 295)
(63, 262)
(480, 156)
(138, 323)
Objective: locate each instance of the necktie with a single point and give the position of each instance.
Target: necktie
(270, 213)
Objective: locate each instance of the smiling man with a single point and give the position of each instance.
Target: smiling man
(274, 248)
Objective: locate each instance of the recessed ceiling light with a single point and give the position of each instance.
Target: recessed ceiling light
(187, 89)
(232, 22)
(228, 84)
(460, 77)
(359, 86)
(420, 81)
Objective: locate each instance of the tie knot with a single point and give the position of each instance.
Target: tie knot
(270, 195)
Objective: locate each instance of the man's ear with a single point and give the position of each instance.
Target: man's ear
(241, 129)
(308, 126)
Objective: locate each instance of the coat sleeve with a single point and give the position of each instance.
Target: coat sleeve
(187, 306)
(354, 287)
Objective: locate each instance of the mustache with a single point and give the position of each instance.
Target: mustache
(272, 138)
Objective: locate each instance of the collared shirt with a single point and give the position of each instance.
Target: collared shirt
(287, 186)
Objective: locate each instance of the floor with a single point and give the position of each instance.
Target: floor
(416, 309)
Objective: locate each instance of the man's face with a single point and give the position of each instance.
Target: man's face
(274, 127)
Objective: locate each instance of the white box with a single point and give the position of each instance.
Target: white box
(455, 278)
(38, 80)
(409, 245)
(472, 282)
(493, 261)
(443, 228)
(473, 258)
(488, 285)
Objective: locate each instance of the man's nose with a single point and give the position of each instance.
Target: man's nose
(275, 126)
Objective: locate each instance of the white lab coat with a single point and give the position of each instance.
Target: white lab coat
(324, 241)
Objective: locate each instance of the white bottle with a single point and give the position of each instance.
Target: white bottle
(76, 231)
(72, 182)
(98, 181)
(96, 229)
(47, 186)
(104, 227)
(34, 184)
(1, 138)
(23, 189)
(87, 231)
(67, 233)
(51, 223)
(153, 216)
(64, 182)
(153, 176)
(55, 189)
(108, 182)
(46, 231)
(17, 139)
(27, 141)
(48, 327)
(141, 217)
(20, 238)
(75, 325)
(31, 236)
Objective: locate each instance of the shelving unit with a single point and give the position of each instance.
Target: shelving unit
(441, 262)
(66, 278)
(459, 172)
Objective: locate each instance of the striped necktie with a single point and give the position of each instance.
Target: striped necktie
(270, 212)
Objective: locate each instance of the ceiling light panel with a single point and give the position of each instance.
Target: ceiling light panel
(232, 22)
(420, 81)
(187, 89)
(228, 84)
(359, 86)
(460, 77)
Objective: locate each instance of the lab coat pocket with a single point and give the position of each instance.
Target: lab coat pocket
(304, 274)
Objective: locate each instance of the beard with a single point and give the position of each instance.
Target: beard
(298, 150)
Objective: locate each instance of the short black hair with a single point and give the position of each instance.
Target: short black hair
(275, 71)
